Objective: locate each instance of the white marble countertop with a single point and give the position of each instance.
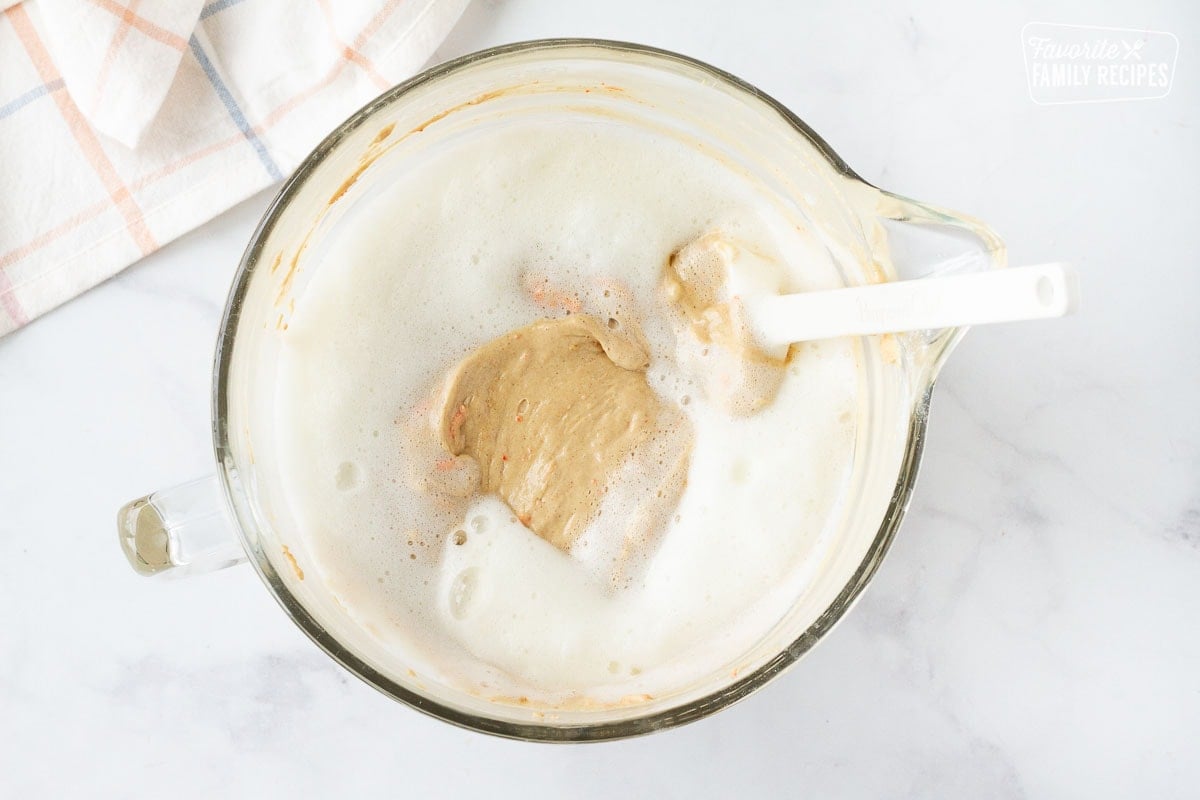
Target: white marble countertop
(1033, 632)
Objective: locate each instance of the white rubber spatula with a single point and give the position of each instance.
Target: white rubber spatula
(1002, 295)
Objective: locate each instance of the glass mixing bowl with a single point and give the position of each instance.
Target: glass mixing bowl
(871, 235)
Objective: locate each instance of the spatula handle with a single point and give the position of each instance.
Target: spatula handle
(1003, 295)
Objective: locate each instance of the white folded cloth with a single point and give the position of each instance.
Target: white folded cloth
(125, 123)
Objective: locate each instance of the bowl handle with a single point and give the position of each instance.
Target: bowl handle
(184, 530)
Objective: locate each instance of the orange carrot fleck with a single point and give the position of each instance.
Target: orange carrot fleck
(456, 421)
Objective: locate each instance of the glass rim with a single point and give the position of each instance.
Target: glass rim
(529, 731)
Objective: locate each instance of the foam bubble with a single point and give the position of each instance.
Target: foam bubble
(462, 591)
(347, 476)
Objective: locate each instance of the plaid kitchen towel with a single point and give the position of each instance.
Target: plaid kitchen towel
(125, 123)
